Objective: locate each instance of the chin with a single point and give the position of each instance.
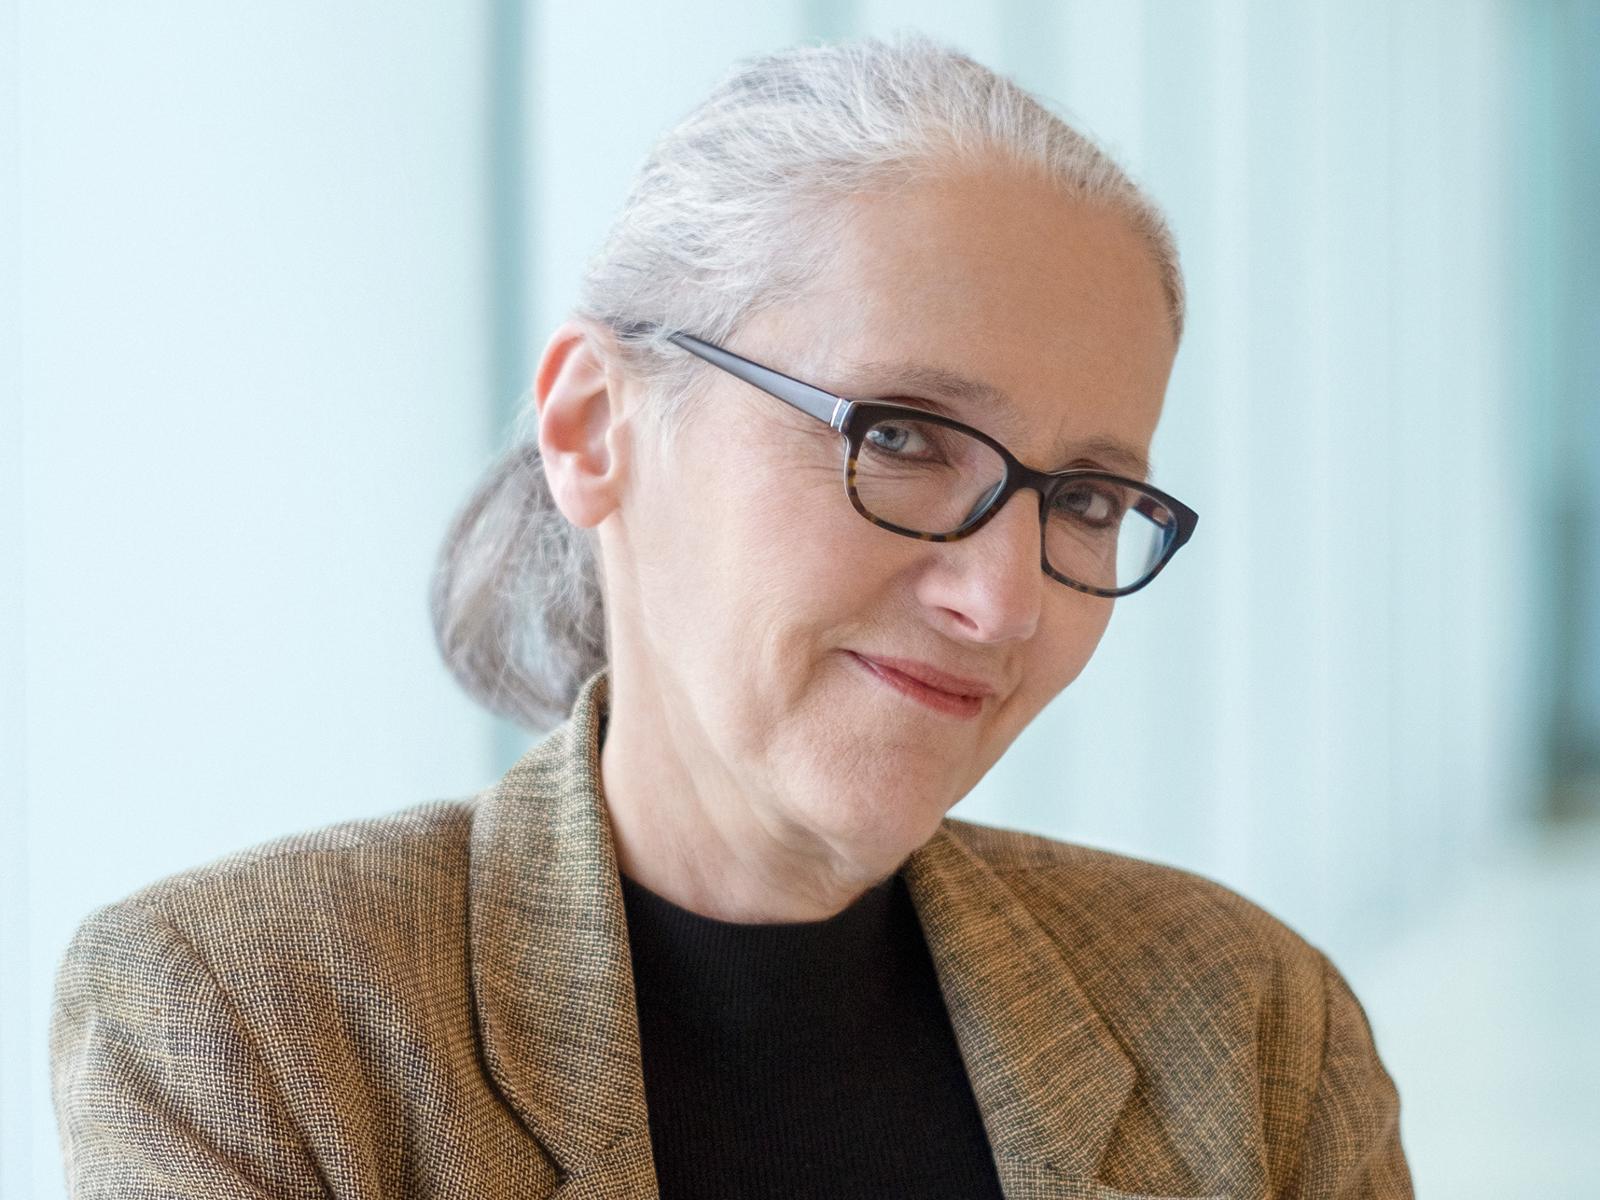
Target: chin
(871, 820)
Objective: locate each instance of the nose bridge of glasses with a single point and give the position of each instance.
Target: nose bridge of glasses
(1008, 487)
(995, 505)
(1003, 571)
(988, 503)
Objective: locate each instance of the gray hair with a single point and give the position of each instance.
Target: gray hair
(731, 212)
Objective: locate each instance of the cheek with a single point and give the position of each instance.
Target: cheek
(756, 547)
(1074, 625)
(785, 524)
(811, 573)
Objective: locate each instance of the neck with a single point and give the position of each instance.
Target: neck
(689, 831)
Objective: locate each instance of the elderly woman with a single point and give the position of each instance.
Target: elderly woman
(829, 486)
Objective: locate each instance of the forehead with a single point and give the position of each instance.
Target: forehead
(994, 244)
(1043, 313)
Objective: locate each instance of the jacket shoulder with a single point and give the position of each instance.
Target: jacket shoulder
(319, 984)
(1117, 901)
(421, 831)
(397, 871)
(1199, 982)
(1149, 941)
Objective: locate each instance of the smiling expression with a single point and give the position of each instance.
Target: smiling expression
(782, 635)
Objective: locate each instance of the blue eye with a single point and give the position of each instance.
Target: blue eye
(1091, 504)
(893, 439)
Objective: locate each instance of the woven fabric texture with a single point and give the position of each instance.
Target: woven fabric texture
(440, 1003)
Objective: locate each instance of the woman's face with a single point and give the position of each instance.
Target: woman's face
(745, 590)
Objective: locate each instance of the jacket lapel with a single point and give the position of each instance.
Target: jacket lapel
(553, 986)
(552, 978)
(1049, 1076)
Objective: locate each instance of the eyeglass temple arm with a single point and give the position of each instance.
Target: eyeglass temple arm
(824, 406)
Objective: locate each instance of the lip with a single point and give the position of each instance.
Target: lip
(938, 690)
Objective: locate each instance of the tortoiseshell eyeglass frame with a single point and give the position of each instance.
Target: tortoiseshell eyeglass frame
(853, 418)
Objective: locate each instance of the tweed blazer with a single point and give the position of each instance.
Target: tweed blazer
(440, 1003)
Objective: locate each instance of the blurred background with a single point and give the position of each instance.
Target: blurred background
(273, 282)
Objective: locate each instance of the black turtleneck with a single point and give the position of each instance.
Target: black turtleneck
(802, 1059)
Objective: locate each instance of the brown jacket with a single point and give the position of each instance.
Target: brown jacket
(439, 1003)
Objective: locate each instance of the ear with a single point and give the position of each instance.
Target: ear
(581, 438)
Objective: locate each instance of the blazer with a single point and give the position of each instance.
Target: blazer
(439, 1002)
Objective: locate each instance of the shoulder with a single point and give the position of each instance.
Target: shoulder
(1212, 995)
(1143, 936)
(319, 983)
(400, 877)
(1110, 895)
(400, 852)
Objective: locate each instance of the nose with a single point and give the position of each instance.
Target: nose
(990, 585)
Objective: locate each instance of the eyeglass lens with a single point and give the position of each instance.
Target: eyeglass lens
(929, 478)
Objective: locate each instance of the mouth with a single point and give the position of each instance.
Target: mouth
(965, 705)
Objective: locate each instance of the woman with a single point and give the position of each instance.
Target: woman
(828, 487)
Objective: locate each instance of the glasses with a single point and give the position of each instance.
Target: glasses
(930, 477)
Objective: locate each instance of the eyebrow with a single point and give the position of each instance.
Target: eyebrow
(938, 381)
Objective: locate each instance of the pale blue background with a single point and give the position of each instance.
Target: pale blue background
(273, 279)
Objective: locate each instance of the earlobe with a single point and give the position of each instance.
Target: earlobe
(577, 426)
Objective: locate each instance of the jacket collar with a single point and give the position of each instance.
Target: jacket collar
(553, 987)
